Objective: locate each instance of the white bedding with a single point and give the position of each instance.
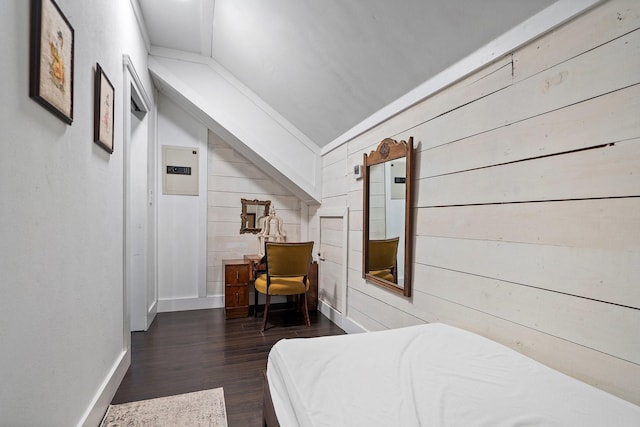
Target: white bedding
(428, 375)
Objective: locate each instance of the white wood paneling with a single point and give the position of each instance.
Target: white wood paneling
(565, 316)
(337, 201)
(554, 15)
(527, 200)
(611, 171)
(334, 156)
(232, 178)
(608, 275)
(244, 185)
(384, 314)
(599, 369)
(606, 119)
(224, 214)
(333, 178)
(366, 320)
(496, 76)
(611, 19)
(222, 168)
(604, 223)
(575, 80)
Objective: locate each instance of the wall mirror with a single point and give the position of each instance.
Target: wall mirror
(387, 236)
(252, 211)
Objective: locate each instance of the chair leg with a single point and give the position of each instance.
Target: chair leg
(266, 311)
(255, 301)
(305, 309)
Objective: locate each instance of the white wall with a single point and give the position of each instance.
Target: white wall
(195, 233)
(182, 276)
(527, 201)
(61, 224)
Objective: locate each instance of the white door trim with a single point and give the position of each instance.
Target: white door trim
(134, 90)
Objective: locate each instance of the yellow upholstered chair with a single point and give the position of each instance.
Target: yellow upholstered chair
(383, 261)
(287, 271)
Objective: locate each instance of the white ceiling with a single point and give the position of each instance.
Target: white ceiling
(327, 65)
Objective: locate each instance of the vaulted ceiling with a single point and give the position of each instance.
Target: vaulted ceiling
(327, 65)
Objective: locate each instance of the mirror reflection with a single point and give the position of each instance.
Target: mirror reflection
(383, 259)
(386, 228)
(387, 187)
(252, 212)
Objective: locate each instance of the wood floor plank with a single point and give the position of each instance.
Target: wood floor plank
(196, 350)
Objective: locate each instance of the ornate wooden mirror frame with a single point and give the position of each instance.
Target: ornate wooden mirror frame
(252, 211)
(383, 218)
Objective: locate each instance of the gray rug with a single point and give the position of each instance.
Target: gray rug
(197, 409)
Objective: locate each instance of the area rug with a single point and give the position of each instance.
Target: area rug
(197, 409)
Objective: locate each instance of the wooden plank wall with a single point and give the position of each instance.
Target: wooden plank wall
(330, 284)
(232, 178)
(527, 202)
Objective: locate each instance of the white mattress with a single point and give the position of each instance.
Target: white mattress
(428, 375)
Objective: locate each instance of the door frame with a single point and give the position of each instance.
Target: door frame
(134, 89)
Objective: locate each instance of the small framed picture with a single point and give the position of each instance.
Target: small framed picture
(103, 111)
(51, 59)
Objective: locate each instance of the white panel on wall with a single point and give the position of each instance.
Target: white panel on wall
(180, 172)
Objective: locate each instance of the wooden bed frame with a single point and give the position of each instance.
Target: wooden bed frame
(269, 418)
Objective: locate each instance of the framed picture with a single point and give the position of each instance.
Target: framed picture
(51, 59)
(103, 111)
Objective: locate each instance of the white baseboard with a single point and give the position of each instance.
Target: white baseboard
(151, 314)
(98, 407)
(330, 313)
(184, 304)
(346, 323)
(350, 326)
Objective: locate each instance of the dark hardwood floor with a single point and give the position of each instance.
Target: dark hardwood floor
(197, 350)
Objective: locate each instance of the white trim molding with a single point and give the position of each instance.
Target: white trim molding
(347, 324)
(98, 407)
(142, 93)
(195, 303)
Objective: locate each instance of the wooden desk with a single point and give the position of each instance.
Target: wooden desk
(236, 287)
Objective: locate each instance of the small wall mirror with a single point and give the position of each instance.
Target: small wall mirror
(252, 211)
(387, 216)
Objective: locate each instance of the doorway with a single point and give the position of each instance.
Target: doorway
(139, 206)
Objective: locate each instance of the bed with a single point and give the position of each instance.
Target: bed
(426, 375)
